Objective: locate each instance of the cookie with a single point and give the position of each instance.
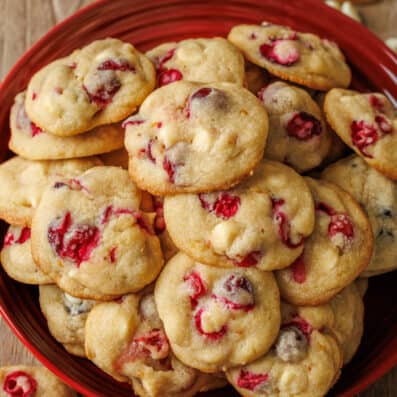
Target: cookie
(302, 58)
(339, 249)
(31, 142)
(378, 198)
(23, 182)
(117, 158)
(298, 135)
(16, 257)
(102, 83)
(126, 339)
(225, 317)
(304, 361)
(201, 60)
(255, 77)
(187, 137)
(348, 309)
(261, 223)
(66, 317)
(29, 381)
(367, 123)
(89, 229)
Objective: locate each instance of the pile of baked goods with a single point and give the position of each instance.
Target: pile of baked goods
(232, 250)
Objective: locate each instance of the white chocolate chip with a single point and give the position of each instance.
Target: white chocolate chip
(214, 317)
(223, 235)
(203, 141)
(77, 306)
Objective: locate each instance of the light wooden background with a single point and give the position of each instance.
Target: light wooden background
(24, 21)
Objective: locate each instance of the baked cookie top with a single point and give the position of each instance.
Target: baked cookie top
(187, 137)
(378, 197)
(66, 317)
(31, 142)
(126, 339)
(89, 229)
(101, 83)
(261, 223)
(16, 257)
(368, 124)
(225, 317)
(201, 60)
(29, 381)
(302, 58)
(305, 360)
(339, 249)
(23, 182)
(298, 135)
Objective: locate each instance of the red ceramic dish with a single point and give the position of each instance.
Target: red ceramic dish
(146, 24)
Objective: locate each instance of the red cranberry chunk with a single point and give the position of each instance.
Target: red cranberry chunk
(24, 236)
(282, 52)
(341, 223)
(323, 207)
(363, 135)
(34, 96)
(165, 58)
(251, 381)
(298, 270)
(249, 260)
(169, 76)
(120, 64)
(223, 206)
(236, 292)
(302, 325)
(19, 384)
(210, 335)
(291, 345)
(8, 239)
(112, 254)
(35, 129)
(102, 87)
(196, 285)
(377, 103)
(169, 168)
(303, 126)
(205, 98)
(384, 124)
(131, 121)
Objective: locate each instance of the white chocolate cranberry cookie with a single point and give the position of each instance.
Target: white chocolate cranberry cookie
(201, 60)
(66, 317)
(378, 197)
(190, 137)
(348, 327)
(31, 381)
(126, 339)
(89, 229)
(302, 58)
(339, 249)
(31, 142)
(261, 223)
(298, 135)
(16, 257)
(367, 123)
(99, 84)
(305, 360)
(225, 317)
(23, 182)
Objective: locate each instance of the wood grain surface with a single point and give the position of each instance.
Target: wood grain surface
(24, 21)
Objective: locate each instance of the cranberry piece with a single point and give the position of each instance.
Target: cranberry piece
(298, 270)
(253, 36)
(73, 242)
(284, 227)
(236, 292)
(249, 260)
(73, 65)
(36, 130)
(24, 236)
(131, 121)
(363, 135)
(302, 325)
(169, 168)
(160, 65)
(215, 98)
(121, 65)
(72, 184)
(291, 345)
(327, 209)
(196, 286)
(104, 92)
(148, 151)
(19, 384)
(112, 254)
(376, 103)
(384, 124)
(341, 223)
(303, 126)
(8, 239)
(225, 205)
(281, 52)
(249, 380)
(210, 335)
(169, 76)
(34, 96)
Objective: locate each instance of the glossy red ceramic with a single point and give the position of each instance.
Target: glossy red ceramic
(147, 23)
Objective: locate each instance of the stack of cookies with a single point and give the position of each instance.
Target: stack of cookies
(212, 258)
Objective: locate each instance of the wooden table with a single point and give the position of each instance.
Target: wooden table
(25, 21)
